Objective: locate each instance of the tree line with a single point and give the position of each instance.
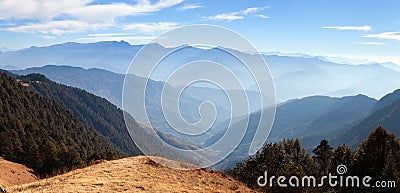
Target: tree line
(378, 157)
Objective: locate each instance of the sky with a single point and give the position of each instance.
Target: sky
(368, 29)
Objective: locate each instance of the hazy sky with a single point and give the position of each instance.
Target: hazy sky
(368, 29)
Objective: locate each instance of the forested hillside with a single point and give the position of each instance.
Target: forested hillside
(41, 134)
(91, 110)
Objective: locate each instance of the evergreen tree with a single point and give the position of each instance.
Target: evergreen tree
(379, 157)
(323, 157)
(342, 155)
(286, 158)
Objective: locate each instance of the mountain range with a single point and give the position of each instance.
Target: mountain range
(109, 85)
(294, 76)
(386, 113)
(345, 120)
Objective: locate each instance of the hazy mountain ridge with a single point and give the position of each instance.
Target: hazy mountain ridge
(386, 114)
(294, 76)
(346, 120)
(109, 85)
(114, 56)
(102, 83)
(297, 77)
(388, 100)
(319, 116)
(310, 119)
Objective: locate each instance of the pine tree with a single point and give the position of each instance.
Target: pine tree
(342, 155)
(378, 157)
(323, 157)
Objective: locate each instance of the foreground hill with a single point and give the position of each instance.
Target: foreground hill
(14, 174)
(135, 174)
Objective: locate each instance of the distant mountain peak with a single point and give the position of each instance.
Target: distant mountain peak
(388, 100)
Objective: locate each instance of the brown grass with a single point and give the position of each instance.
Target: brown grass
(135, 174)
(14, 174)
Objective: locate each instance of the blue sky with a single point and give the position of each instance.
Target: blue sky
(368, 29)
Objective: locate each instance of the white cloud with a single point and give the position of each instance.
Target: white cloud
(58, 27)
(225, 16)
(384, 35)
(370, 43)
(262, 16)
(352, 28)
(236, 15)
(108, 12)
(37, 9)
(189, 7)
(251, 10)
(81, 15)
(150, 28)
